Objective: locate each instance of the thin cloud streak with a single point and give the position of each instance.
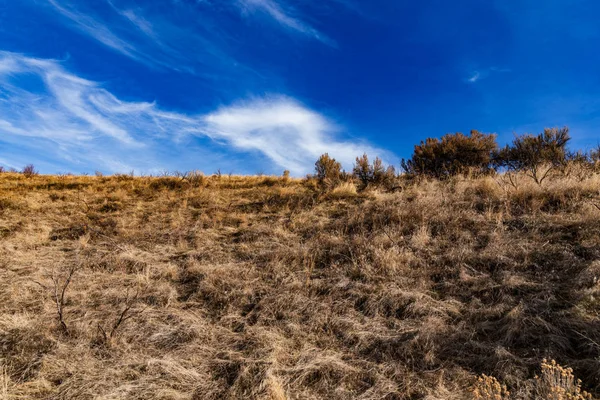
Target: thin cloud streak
(277, 12)
(157, 42)
(84, 124)
(478, 75)
(98, 31)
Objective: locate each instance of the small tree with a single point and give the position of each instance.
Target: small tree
(536, 155)
(375, 173)
(452, 155)
(328, 170)
(363, 171)
(29, 171)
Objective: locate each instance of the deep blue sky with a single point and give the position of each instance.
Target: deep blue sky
(249, 86)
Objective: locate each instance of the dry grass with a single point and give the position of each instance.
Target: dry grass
(221, 287)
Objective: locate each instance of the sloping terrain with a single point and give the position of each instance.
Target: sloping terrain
(266, 288)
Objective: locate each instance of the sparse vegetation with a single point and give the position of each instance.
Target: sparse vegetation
(453, 155)
(29, 171)
(373, 174)
(554, 383)
(187, 286)
(328, 171)
(536, 155)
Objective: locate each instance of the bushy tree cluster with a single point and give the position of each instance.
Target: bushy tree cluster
(478, 154)
(372, 173)
(453, 154)
(537, 155)
(329, 173)
(475, 154)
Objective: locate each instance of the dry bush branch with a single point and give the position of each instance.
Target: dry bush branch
(126, 314)
(59, 290)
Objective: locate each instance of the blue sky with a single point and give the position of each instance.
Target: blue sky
(248, 86)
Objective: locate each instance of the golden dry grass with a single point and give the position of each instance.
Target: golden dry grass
(264, 288)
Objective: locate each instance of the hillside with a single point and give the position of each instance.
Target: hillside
(268, 288)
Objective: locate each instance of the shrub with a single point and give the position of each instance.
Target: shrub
(579, 165)
(558, 383)
(454, 154)
(536, 155)
(29, 171)
(375, 173)
(555, 383)
(328, 170)
(488, 388)
(195, 178)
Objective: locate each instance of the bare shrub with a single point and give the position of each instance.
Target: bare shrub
(29, 171)
(58, 290)
(454, 154)
(579, 165)
(537, 155)
(195, 178)
(106, 335)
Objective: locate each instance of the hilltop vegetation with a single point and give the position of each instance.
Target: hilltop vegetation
(363, 285)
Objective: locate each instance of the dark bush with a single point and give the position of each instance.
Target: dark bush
(29, 171)
(536, 155)
(375, 174)
(454, 154)
(328, 170)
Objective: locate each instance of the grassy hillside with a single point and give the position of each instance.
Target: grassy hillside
(266, 288)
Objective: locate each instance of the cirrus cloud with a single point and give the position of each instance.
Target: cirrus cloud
(77, 121)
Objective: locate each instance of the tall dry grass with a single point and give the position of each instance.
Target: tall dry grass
(194, 287)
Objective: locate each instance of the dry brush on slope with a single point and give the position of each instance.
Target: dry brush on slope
(221, 287)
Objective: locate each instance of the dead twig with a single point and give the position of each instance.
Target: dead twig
(59, 292)
(125, 315)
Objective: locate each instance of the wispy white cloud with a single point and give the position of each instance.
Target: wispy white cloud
(288, 133)
(474, 77)
(284, 17)
(97, 30)
(139, 22)
(159, 41)
(79, 122)
(479, 74)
